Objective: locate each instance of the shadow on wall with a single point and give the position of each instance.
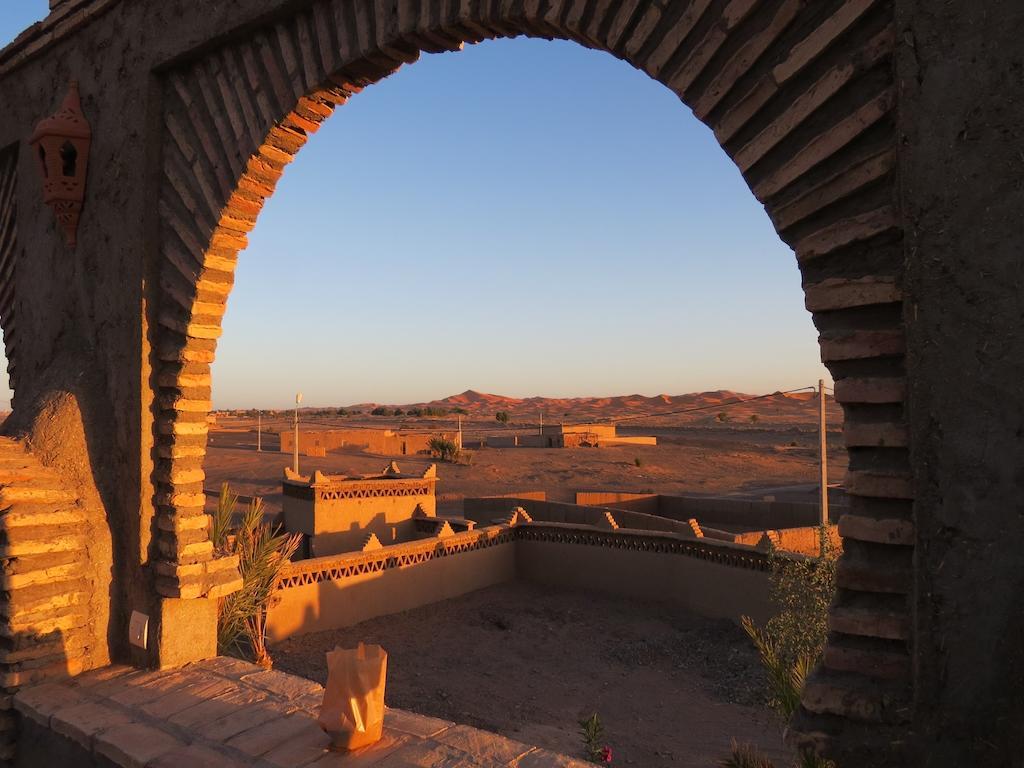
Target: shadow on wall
(66, 435)
(41, 657)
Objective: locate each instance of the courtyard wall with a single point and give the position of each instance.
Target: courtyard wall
(711, 578)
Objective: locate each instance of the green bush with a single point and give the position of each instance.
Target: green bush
(502, 416)
(443, 448)
(792, 641)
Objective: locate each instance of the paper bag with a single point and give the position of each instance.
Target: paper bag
(353, 709)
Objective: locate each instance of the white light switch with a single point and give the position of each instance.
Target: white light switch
(138, 629)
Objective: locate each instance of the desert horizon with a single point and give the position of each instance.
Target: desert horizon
(792, 406)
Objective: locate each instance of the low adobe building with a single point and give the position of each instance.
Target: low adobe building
(387, 442)
(570, 436)
(336, 514)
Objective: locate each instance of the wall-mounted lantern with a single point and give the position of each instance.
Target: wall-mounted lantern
(61, 143)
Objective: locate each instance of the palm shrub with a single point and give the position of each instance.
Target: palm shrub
(222, 519)
(262, 554)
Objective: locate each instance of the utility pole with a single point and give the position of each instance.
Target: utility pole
(259, 431)
(542, 421)
(460, 431)
(298, 399)
(823, 458)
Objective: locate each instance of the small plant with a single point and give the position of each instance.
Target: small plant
(262, 555)
(380, 410)
(398, 412)
(593, 734)
(745, 756)
(754, 418)
(638, 461)
(443, 448)
(723, 417)
(502, 417)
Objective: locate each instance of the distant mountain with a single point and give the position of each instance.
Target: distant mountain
(696, 406)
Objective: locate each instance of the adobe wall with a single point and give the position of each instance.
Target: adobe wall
(805, 541)
(343, 602)
(961, 78)
(82, 329)
(638, 502)
(488, 508)
(340, 591)
(694, 584)
(746, 514)
(79, 312)
(629, 440)
(383, 441)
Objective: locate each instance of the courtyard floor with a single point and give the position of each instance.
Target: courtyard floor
(673, 689)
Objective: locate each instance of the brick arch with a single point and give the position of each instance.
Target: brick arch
(801, 96)
(8, 254)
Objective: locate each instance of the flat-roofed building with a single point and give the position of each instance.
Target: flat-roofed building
(336, 513)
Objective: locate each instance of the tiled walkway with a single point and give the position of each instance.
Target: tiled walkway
(225, 713)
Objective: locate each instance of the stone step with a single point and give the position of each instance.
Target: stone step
(867, 658)
(57, 669)
(34, 541)
(877, 530)
(33, 575)
(858, 573)
(10, 445)
(857, 697)
(20, 633)
(34, 490)
(867, 622)
(50, 596)
(29, 515)
(29, 620)
(22, 462)
(69, 643)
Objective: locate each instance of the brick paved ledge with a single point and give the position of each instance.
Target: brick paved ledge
(225, 713)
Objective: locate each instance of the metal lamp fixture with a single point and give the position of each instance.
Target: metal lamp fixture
(61, 142)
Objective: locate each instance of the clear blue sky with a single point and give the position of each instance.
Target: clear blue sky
(524, 217)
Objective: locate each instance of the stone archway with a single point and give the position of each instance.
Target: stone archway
(801, 97)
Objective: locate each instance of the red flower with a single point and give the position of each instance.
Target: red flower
(606, 754)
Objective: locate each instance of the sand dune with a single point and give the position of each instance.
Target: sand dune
(797, 407)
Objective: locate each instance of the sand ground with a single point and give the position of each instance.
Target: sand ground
(702, 460)
(673, 689)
